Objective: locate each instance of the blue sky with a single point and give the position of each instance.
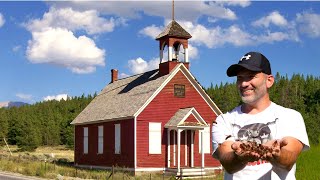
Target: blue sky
(49, 50)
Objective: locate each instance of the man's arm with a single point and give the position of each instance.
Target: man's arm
(227, 157)
(285, 152)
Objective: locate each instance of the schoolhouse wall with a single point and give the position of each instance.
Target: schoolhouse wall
(161, 109)
(108, 158)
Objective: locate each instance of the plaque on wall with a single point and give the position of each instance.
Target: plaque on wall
(179, 90)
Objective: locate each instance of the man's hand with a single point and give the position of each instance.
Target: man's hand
(245, 152)
(275, 146)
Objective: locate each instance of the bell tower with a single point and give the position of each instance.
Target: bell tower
(173, 37)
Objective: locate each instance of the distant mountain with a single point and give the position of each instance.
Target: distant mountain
(9, 104)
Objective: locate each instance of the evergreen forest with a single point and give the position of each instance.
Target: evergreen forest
(47, 123)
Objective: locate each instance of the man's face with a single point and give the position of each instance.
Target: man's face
(253, 86)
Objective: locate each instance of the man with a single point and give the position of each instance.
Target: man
(258, 139)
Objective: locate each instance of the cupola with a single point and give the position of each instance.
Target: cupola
(173, 37)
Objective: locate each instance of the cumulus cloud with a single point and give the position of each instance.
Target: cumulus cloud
(242, 3)
(73, 20)
(2, 20)
(24, 96)
(54, 41)
(273, 18)
(132, 9)
(60, 47)
(309, 23)
(56, 97)
(217, 36)
(152, 31)
(139, 65)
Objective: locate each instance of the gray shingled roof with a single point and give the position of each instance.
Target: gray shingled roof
(122, 98)
(174, 30)
(177, 119)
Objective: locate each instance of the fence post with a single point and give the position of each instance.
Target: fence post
(112, 171)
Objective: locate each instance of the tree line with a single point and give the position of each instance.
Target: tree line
(44, 123)
(47, 123)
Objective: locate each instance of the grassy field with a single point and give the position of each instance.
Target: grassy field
(57, 163)
(54, 163)
(308, 167)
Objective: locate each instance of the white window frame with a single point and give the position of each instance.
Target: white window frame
(117, 138)
(100, 139)
(206, 140)
(85, 140)
(154, 138)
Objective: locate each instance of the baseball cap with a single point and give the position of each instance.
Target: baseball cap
(253, 61)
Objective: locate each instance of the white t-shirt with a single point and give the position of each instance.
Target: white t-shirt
(275, 122)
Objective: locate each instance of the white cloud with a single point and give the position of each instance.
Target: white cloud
(60, 47)
(24, 96)
(309, 23)
(123, 75)
(242, 3)
(133, 9)
(152, 31)
(56, 97)
(73, 20)
(54, 40)
(2, 20)
(273, 18)
(139, 65)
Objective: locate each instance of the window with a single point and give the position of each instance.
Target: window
(154, 138)
(179, 90)
(100, 140)
(85, 140)
(117, 139)
(206, 140)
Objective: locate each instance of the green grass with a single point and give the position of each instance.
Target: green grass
(308, 164)
(41, 164)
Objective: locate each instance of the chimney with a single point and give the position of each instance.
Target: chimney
(114, 75)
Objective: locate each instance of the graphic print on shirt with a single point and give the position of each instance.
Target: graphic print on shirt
(257, 132)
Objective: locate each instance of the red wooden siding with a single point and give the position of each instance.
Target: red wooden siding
(108, 158)
(161, 109)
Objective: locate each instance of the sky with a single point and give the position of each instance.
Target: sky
(54, 49)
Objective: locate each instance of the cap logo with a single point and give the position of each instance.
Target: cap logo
(247, 57)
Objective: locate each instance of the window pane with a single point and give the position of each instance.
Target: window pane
(85, 140)
(154, 138)
(100, 140)
(117, 140)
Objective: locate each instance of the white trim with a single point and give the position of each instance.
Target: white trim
(178, 142)
(186, 148)
(105, 120)
(174, 148)
(135, 142)
(170, 50)
(195, 84)
(186, 55)
(168, 146)
(202, 150)
(199, 89)
(192, 149)
(138, 169)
